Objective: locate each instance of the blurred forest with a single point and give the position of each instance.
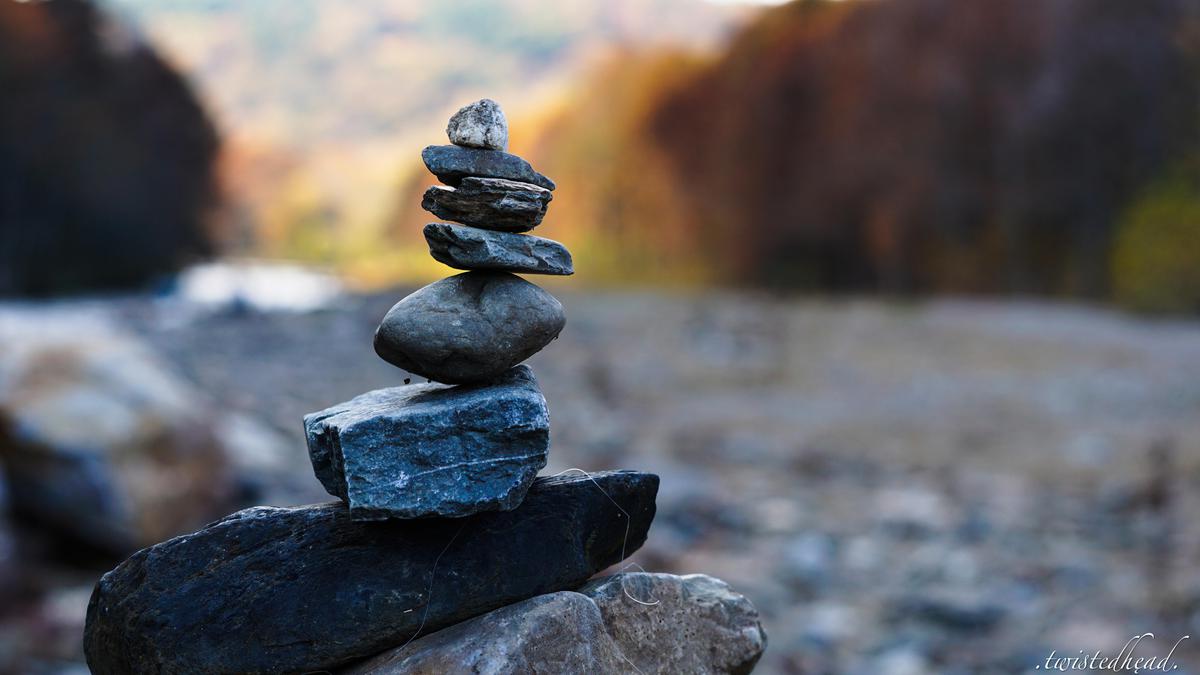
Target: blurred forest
(898, 146)
(105, 155)
(961, 146)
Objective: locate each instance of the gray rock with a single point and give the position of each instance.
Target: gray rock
(555, 633)
(479, 125)
(469, 248)
(966, 611)
(431, 449)
(278, 590)
(470, 327)
(452, 163)
(489, 203)
(101, 442)
(698, 625)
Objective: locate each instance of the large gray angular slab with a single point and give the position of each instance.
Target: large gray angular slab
(451, 163)
(489, 203)
(431, 449)
(470, 248)
(281, 590)
(470, 327)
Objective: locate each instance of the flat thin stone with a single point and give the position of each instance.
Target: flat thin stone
(280, 590)
(489, 203)
(470, 327)
(469, 248)
(479, 125)
(452, 163)
(432, 449)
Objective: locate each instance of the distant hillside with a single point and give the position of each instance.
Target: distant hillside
(324, 104)
(307, 71)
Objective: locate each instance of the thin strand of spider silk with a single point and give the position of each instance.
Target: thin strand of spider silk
(429, 591)
(624, 542)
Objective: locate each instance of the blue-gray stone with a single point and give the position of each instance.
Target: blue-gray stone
(451, 164)
(489, 203)
(470, 248)
(431, 449)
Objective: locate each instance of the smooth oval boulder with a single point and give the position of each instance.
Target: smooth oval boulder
(452, 163)
(470, 327)
(470, 248)
(287, 590)
(489, 203)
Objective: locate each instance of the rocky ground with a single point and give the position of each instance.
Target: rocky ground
(952, 487)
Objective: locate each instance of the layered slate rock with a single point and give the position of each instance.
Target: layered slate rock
(431, 449)
(479, 125)
(308, 589)
(489, 203)
(452, 163)
(470, 327)
(469, 248)
(692, 624)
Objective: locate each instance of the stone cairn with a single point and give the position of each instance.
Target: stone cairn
(441, 515)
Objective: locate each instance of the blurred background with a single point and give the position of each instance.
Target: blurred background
(900, 297)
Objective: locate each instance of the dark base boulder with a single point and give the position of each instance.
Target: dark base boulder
(274, 590)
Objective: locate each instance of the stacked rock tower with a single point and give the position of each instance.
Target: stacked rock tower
(441, 515)
(429, 450)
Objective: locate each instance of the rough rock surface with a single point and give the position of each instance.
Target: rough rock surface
(479, 125)
(469, 248)
(697, 625)
(555, 633)
(452, 163)
(489, 203)
(700, 625)
(100, 441)
(432, 449)
(470, 327)
(308, 589)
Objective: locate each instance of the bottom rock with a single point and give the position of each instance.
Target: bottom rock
(693, 624)
(270, 590)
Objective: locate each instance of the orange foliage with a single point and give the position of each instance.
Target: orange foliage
(945, 145)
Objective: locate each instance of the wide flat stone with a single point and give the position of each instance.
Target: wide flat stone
(470, 248)
(489, 203)
(452, 163)
(479, 125)
(270, 590)
(695, 624)
(471, 327)
(431, 449)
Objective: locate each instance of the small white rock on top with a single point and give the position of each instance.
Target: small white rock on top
(479, 125)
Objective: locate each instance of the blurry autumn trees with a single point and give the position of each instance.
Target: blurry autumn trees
(908, 146)
(105, 156)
